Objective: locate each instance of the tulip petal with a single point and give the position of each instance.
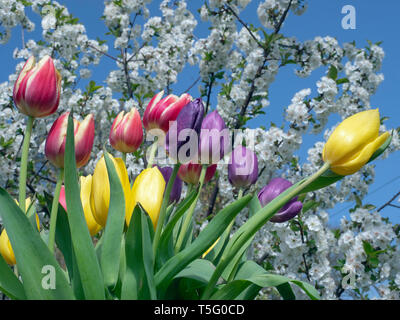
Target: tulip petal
(86, 188)
(351, 135)
(148, 190)
(289, 213)
(360, 158)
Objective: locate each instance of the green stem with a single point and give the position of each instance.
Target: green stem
(153, 151)
(240, 194)
(163, 209)
(124, 157)
(54, 211)
(189, 214)
(247, 230)
(24, 163)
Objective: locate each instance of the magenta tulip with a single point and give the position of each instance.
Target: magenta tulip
(37, 89)
(56, 139)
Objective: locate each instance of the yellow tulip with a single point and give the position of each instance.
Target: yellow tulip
(5, 246)
(86, 188)
(100, 195)
(148, 190)
(353, 142)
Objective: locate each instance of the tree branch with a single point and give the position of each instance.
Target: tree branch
(245, 25)
(389, 203)
(260, 69)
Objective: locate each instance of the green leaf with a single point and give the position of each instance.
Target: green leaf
(9, 283)
(138, 281)
(200, 270)
(63, 235)
(341, 81)
(206, 238)
(31, 253)
(166, 250)
(333, 72)
(112, 236)
(285, 290)
(251, 273)
(88, 265)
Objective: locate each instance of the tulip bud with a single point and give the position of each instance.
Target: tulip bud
(160, 112)
(126, 132)
(190, 172)
(184, 131)
(214, 139)
(273, 189)
(353, 142)
(176, 190)
(148, 190)
(242, 167)
(37, 89)
(100, 193)
(56, 139)
(5, 245)
(86, 188)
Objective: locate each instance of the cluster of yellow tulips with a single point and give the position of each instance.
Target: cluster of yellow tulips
(148, 190)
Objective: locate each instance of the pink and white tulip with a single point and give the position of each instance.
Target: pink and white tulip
(126, 134)
(37, 89)
(56, 139)
(190, 172)
(160, 112)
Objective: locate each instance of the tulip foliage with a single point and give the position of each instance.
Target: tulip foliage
(136, 255)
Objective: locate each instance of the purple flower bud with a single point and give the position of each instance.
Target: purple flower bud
(242, 167)
(273, 189)
(214, 139)
(176, 190)
(185, 130)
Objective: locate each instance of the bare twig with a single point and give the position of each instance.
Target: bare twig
(104, 53)
(192, 85)
(307, 270)
(245, 25)
(389, 203)
(210, 84)
(126, 71)
(260, 69)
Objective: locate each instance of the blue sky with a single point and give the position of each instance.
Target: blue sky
(375, 21)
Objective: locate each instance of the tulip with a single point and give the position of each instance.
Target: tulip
(188, 124)
(5, 246)
(214, 138)
(176, 190)
(353, 142)
(100, 195)
(160, 112)
(148, 190)
(37, 89)
(86, 188)
(56, 139)
(190, 172)
(242, 167)
(126, 132)
(273, 189)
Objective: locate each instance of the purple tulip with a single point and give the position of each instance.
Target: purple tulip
(176, 190)
(242, 167)
(187, 124)
(273, 189)
(214, 139)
